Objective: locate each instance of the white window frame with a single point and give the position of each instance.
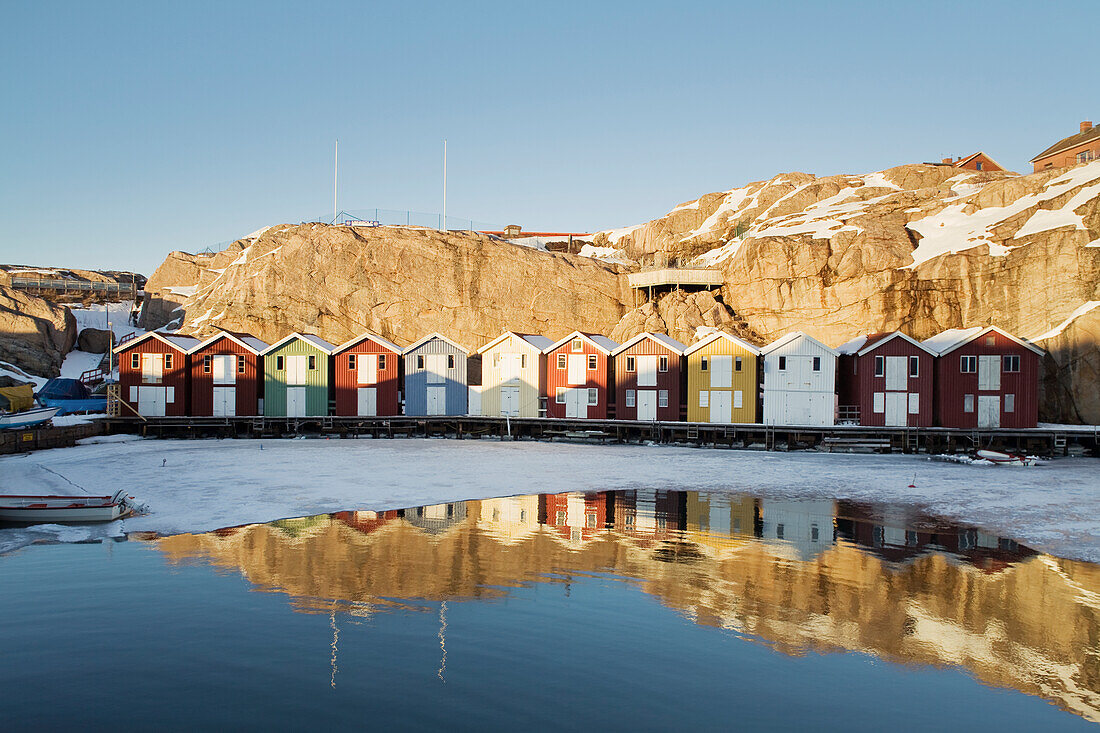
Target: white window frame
(880, 366)
(782, 363)
(631, 364)
(562, 361)
(968, 403)
(167, 362)
(662, 363)
(914, 403)
(135, 360)
(593, 396)
(662, 398)
(207, 363)
(1013, 360)
(241, 364)
(704, 398)
(577, 345)
(381, 362)
(311, 362)
(450, 361)
(559, 396)
(878, 402)
(703, 364)
(630, 398)
(419, 361)
(593, 363)
(351, 362)
(968, 364)
(817, 364)
(737, 363)
(914, 367)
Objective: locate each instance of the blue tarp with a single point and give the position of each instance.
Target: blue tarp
(71, 395)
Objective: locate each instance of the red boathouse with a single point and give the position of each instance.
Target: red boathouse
(886, 379)
(648, 373)
(366, 376)
(227, 375)
(152, 374)
(578, 376)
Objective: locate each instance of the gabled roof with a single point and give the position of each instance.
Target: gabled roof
(538, 343)
(248, 341)
(1069, 142)
(714, 336)
(667, 341)
(365, 336)
(179, 343)
(309, 338)
(951, 339)
(794, 335)
(429, 337)
(603, 343)
(861, 345)
(960, 163)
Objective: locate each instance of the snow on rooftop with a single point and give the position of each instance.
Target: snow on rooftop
(1080, 311)
(946, 340)
(853, 346)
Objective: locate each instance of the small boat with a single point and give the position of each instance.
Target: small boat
(56, 509)
(1007, 459)
(26, 418)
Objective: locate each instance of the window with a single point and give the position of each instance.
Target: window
(968, 364)
(168, 361)
(578, 345)
(523, 361)
(450, 361)
(561, 361)
(914, 366)
(590, 520)
(135, 360)
(351, 362)
(207, 360)
(523, 516)
(910, 538)
(630, 363)
(1084, 157)
(662, 364)
(968, 403)
(312, 361)
(591, 361)
(278, 363)
(593, 396)
(990, 340)
(978, 165)
(240, 365)
(662, 398)
(559, 396)
(381, 362)
(782, 363)
(737, 363)
(496, 359)
(1012, 363)
(880, 366)
(630, 398)
(419, 361)
(704, 398)
(817, 363)
(1010, 403)
(628, 520)
(561, 519)
(496, 514)
(780, 530)
(815, 533)
(703, 364)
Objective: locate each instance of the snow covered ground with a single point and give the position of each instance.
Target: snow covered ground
(194, 486)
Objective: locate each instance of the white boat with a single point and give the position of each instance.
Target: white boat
(26, 418)
(55, 509)
(1008, 459)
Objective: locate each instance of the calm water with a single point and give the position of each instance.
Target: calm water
(619, 610)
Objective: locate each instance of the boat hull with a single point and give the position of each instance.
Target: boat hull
(27, 418)
(58, 509)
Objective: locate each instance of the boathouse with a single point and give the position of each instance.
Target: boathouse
(366, 377)
(512, 375)
(722, 380)
(578, 376)
(886, 379)
(296, 376)
(435, 377)
(799, 381)
(227, 375)
(152, 374)
(648, 371)
(985, 378)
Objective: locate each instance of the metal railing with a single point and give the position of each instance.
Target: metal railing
(70, 286)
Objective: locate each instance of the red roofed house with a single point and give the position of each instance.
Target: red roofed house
(227, 375)
(1079, 148)
(977, 162)
(152, 374)
(886, 379)
(578, 376)
(365, 376)
(648, 370)
(985, 378)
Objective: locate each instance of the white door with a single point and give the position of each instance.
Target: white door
(721, 373)
(368, 402)
(897, 374)
(576, 403)
(296, 368)
(897, 406)
(296, 400)
(509, 368)
(647, 402)
(721, 404)
(989, 411)
(151, 401)
(367, 366)
(437, 400)
(577, 364)
(152, 367)
(989, 372)
(647, 371)
(224, 368)
(436, 366)
(225, 401)
(509, 401)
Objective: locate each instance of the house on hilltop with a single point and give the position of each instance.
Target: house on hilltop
(1079, 148)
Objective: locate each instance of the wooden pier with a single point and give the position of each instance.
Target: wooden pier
(38, 438)
(833, 438)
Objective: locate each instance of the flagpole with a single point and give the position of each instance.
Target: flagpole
(444, 184)
(335, 173)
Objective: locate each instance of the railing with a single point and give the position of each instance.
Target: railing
(847, 415)
(70, 286)
(128, 337)
(92, 377)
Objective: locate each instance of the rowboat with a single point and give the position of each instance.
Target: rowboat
(55, 509)
(26, 418)
(1007, 459)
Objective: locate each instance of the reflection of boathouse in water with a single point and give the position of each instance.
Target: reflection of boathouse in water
(958, 596)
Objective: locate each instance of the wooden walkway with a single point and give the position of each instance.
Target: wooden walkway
(838, 438)
(23, 441)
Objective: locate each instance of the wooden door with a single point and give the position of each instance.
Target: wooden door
(721, 406)
(647, 400)
(225, 402)
(437, 399)
(296, 368)
(897, 375)
(367, 366)
(436, 366)
(647, 372)
(989, 373)
(989, 411)
(152, 368)
(367, 402)
(152, 400)
(509, 401)
(721, 372)
(897, 405)
(296, 399)
(577, 364)
(224, 367)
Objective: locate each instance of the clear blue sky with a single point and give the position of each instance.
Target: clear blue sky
(132, 129)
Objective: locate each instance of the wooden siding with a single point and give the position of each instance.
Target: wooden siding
(317, 380)
(528, 380)
(416, 380)
(176, 377)
(746, 381)
(246, 385)
(597, 379)
(952, 386)
(670, 380)
(798, 395)
(346, 384)
(857, 383)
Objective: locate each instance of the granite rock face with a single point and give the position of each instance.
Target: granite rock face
(35, 334)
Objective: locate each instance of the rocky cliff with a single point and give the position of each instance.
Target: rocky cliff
(35, 334)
